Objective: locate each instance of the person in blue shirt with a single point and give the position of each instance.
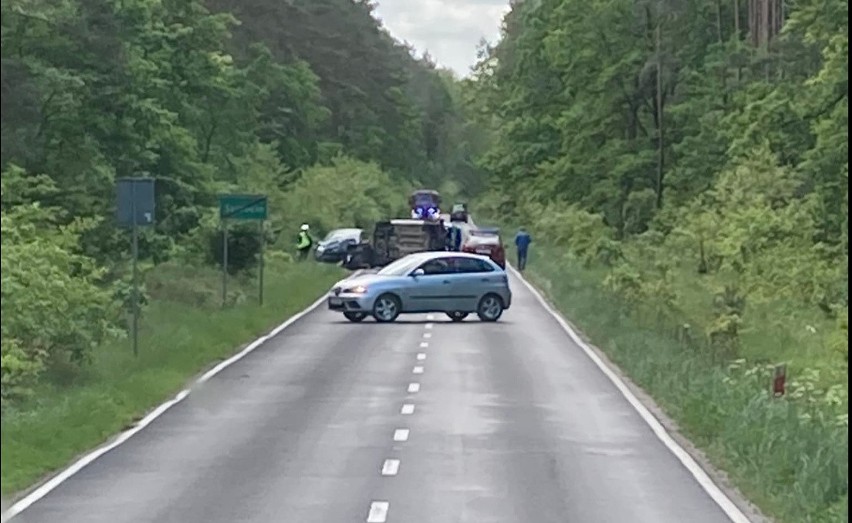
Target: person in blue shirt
(522, 244)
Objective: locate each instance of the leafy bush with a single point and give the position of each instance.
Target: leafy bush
(584, 233)
(244, 243)
(53, 303)
(840, 337)
(20, 368)
(625, 282)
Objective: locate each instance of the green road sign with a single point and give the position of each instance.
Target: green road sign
(242, 207)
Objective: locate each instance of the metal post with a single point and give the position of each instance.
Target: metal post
(135, 284)
(225, 263)
(260, 272)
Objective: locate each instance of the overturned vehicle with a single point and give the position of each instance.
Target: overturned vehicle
(394, 239)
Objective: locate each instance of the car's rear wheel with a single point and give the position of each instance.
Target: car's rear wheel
(457, 315)
(355, 316)
(386, 308)
(490, 308)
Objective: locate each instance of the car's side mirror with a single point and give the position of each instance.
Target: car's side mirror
(418, 272)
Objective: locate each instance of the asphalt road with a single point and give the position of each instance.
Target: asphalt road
(418, 421)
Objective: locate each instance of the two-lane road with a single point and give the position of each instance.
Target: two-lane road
(418, 421)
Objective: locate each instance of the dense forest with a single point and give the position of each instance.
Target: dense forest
(311, 102)
(693, 157)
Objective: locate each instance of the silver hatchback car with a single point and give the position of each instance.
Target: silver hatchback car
(454, 283)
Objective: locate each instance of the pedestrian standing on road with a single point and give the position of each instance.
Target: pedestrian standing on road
(304, 242)
(456, 238)
(522, 244)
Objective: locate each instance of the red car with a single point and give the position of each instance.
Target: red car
(486, 242)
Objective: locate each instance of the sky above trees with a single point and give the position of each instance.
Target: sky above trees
(449, 30)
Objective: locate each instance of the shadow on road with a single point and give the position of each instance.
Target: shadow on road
(370, 321)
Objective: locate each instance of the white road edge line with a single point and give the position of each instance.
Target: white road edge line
(421, 356)
(43, 490)
(390, 467)
(417, 370)
(729, 507)
(401, 434)
(424, 344)
(429, 325)
(427, 335)
(378, 512)
(407, 408)
(413, 387)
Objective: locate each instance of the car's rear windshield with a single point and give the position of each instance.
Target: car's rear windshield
(424, 200)
(489, 239)
(485, 231)
(340, 234)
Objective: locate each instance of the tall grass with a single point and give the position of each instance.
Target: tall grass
(789, 456)
(183, 331)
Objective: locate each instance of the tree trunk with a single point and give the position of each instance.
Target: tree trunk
(738, 34)
(719, 21)
(737, 19)
(660, 126)
(723, 71)
(208, 142)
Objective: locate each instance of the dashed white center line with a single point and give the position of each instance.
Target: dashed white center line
(390, 467)
(378, 512)
(379, 509)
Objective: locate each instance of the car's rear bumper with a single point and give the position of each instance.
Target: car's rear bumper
(507, 300)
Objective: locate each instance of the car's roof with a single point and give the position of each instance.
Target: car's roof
(428, 255)
(346, 231)
(404, 221)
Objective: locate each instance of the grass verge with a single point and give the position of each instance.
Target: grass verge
(183, 331)
(789, 456)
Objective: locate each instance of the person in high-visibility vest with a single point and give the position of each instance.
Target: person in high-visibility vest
(304, 242)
